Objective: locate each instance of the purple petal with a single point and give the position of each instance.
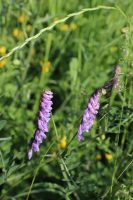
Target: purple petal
(30, 152)
(42, 122)
(89, 114)
(35, 146)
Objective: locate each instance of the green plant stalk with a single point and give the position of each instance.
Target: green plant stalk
(64, 169)
(58, 22)
(37, 169)
(3, 164)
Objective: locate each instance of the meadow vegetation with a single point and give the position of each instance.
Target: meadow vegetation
(72, 59)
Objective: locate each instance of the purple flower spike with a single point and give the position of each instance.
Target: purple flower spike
(89, 114)
(42, 122)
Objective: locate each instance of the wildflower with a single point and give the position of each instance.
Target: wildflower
(42, 123)
(2, 63)
(89, 114)
(28, 28)
(94, 104)
(22, 18)
(45, 66)
(73, 26)
(2, 50)
(64, 27)
(98, 157)
(108, 156)
(63, 143)
(17, 33)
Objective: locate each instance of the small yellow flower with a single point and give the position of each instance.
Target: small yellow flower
(63, 143)
(2, 50)
(18, 33)
(108, 156)
(15, 32)
(2, 63)
(45, 69)
(45, 66)
(64, 27)
(98, 157)
(73, 26)
(22, 18)
(28, 27)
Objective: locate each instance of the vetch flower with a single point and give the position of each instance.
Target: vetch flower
(42, 123)
(94, 103)
(89, 114)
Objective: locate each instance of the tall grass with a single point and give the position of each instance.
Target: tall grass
(43, 46)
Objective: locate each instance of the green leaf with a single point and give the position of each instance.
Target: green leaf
(2, 179)
(12, 170)
(2, 124)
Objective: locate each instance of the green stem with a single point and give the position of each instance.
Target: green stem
(37, 169)
(56, 132)
(58, 22)
(64, 169)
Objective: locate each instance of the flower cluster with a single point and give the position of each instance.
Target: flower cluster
(94, 104)
(42, 123)
(88, 118)
(89, 114)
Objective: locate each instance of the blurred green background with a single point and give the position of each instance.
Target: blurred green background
(73, 59)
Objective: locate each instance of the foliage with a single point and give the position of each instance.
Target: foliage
(72, 59)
